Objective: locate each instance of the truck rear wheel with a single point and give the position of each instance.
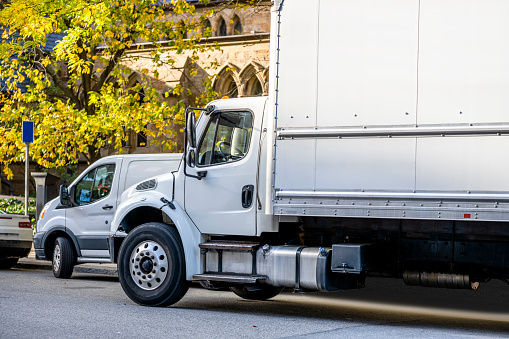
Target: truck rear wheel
(151, 265)
(63, 258)
(257, 293)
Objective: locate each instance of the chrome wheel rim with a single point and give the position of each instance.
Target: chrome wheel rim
(56, 258)
(148, 265)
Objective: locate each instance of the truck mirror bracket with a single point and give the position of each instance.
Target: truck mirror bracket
(190, 139)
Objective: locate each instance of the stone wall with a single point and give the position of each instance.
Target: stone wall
(238, 69)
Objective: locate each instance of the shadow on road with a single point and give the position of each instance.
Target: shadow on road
(383, 301)
(386, 302)
(92, 277)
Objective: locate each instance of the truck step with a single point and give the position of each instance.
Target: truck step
(229, 245)
(230, 277)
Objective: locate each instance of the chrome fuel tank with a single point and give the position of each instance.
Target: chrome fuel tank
(291, 266)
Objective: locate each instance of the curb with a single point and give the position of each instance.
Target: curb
(33, 264)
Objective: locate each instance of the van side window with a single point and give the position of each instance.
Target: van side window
(226, 139)
(95, 185)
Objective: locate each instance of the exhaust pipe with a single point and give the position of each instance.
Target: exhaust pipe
(442, 280)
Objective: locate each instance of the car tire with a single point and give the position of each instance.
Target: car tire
(256, 293)
(63, 258)
(5, 264)
(151, 265)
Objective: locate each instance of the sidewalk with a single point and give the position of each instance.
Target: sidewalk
(31, 263)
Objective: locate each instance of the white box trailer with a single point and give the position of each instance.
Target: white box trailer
(379, 152)
(401, 112)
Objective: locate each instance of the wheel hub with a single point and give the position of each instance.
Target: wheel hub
(56, 258)
(148, 265)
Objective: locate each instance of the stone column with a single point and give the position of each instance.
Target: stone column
(42, 181)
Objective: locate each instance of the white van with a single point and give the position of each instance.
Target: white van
(74, 228)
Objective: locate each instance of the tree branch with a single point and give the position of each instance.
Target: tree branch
(86, 79)
(61, 84)
(104, 75)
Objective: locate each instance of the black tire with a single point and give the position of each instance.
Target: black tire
(256, 293)
(63, 258)
(151, 265)
(5, 264)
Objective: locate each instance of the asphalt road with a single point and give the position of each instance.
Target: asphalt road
(33, 304)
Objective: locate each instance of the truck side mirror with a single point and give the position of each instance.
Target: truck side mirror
(64, 195)
(190, 138)
(191, 129)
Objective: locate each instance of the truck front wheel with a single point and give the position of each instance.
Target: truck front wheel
(256, 293)
(151, 265)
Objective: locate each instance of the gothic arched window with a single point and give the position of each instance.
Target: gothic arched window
(221, 28)
(207, 26)
(237, 26)
(233, 91)
(254, 87)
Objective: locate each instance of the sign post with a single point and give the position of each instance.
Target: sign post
(27, 132)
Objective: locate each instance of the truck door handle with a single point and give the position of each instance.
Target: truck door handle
(247, 196)
(107, 207)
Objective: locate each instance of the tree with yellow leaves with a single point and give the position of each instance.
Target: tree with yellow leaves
(61, 66)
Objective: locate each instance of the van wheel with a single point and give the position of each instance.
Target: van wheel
(151, 265)
(256, 293)
(5, 264)
(63, 258)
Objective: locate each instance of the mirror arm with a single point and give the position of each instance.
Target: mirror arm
(201, 174)
(207, 110)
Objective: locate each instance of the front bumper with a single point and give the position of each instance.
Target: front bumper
(38, 246)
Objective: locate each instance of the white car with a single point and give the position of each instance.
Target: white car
(15, 238)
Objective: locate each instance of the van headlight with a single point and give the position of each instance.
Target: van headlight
(44, 209)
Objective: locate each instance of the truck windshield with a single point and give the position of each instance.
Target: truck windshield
(226, 138)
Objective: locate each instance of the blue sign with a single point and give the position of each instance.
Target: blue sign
(27, 132)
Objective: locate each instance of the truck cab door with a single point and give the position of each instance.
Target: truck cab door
(224, 200)
(94, 201)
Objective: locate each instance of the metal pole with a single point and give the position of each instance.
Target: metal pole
(26, 177)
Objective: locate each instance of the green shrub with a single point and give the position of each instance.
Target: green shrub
(13, 205)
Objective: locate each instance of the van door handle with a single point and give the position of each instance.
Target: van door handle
(107, 207)
(247, 196)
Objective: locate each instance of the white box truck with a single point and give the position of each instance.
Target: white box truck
(74, 228)
(380, 151)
